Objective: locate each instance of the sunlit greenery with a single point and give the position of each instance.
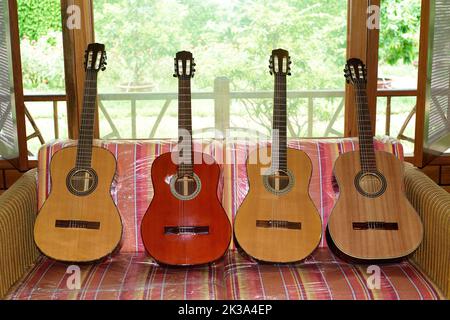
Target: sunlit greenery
(230, 39)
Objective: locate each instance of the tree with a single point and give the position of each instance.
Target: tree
(399, 31)
(38, 17)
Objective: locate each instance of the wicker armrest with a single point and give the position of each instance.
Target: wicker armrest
(433, 205)
(18, 208)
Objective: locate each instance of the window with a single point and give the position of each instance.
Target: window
(397, 70)
(231, 42)
(43, 71)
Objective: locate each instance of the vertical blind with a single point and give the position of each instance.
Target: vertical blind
(8, 132)
(437, 134)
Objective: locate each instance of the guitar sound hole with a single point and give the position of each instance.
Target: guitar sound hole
(279, 182)
(186, 187)
(82, 182)
(370, 184)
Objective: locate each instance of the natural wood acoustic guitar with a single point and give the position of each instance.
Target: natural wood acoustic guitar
(185, 223)
(79, 221)
(278, 222)
(372, 219)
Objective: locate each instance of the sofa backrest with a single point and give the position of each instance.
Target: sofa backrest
(132, 190)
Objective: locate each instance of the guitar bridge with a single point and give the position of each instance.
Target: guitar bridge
(184, 230)
(375, 225)
(77, 224)
(279, 224)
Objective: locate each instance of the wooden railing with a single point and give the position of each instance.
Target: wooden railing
(222, 98)
(54, 99)
(389, 94)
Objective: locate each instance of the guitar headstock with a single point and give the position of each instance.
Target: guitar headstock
(355, 71)
(280, 62)
(184, 65)
(95, 57)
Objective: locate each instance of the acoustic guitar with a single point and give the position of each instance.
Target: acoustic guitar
(278, 222)
(372, 219)
(185, 223)
(79, 221)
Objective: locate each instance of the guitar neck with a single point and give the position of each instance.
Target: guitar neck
(185, 166)
(365, 134)
(279, 136)
(86, 137)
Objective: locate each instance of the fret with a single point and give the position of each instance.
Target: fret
(86, 136)
(365, 134)
(185, 126)
(279, 136)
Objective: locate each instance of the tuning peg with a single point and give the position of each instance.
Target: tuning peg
(103, 68)
(271, 73)
(174, 75)
(289, 74)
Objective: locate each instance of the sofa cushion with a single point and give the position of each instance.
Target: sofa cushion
(324, 277)
(133, 190)
(135, 276)
(126, 276)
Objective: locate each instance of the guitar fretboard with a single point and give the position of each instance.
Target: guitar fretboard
(366, 147)
(84, 148)
(185, 165)
(279, 135)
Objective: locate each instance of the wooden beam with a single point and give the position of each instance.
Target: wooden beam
(422, 83)
(373, 41)
(75, 41)
(362, 43)
(22, 162)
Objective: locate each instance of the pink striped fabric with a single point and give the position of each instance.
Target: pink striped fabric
(133, 188)
(130, 274)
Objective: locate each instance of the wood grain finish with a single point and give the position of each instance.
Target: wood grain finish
(77, 244)
(278, 244)
(391, 206)
(166, 210)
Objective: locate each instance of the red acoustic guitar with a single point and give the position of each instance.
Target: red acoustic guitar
(185, 223)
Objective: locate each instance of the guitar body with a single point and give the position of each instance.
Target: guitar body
(278, 244)
(98, 229)
(379, 242)
(204, 230)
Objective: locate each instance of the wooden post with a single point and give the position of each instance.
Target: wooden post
(75, 41)
(388, 116)
(362, 43)
(422, 83)
(222, 104)
(310, 116)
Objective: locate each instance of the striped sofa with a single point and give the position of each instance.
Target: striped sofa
(131, 274)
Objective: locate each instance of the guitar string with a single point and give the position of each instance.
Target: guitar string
(366, 139)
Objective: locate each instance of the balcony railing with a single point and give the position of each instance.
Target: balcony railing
(222, 98)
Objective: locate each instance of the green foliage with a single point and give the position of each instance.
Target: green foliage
(43, 64)
(38, 17)
(232, 39)
(399, 33)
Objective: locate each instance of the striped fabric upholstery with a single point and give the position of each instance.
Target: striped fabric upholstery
(323, 277)
(133, 189)
(131, 275)
(17, 214)
(433, 205)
